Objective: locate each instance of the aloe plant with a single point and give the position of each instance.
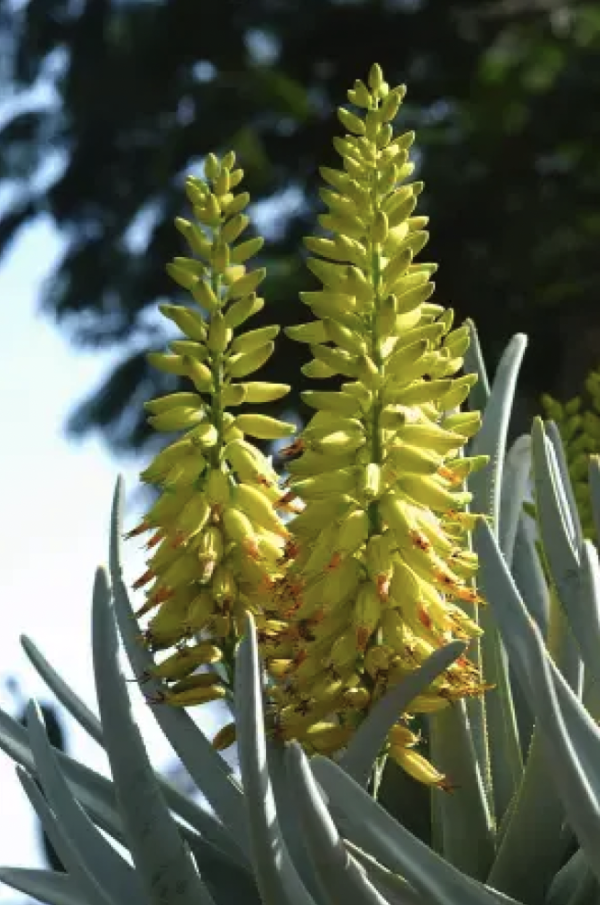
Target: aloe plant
(516, 818)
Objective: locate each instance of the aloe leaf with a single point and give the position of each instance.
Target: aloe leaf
(572, 740)
(491, 438)
(276, 876)
(561, 554)
(45, 885)
(553, 516)
(65, 847)
(96, 794)
(395, 888)
(211, 773)
(553, 435)
(515, 479)
(465, 823)
(438, 882)
(520, 868)
(486, 485)
(569, 881)
(163, 861)
(181, 804)
(594, 477)
(474, 364)
(340, 878)
(359, 758)
(583, 609)
(109, 868)
(63, 692)
(529, 577)
(286, 814)
(93, 791)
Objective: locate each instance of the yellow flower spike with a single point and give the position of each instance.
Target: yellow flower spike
(378, 466)
(202, 558)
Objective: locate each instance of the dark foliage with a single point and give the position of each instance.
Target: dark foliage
(505, 96)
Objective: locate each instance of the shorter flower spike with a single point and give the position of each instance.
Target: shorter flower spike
(218, 539)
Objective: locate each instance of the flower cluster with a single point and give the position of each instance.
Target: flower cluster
(382, 567)
(373, 572)
(217, 536)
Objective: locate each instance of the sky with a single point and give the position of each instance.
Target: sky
(56, 502)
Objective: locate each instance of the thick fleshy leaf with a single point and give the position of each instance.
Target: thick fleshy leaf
(474, 364)
(553, 434)
(276, 876)
(66, 848)
(574, 883)
(212, 774)
(94, 791)
(163, 862)
(529, 576)
(521, 869)
(64, 692)
(395, 889)
(570, 736)
(594, 476)
(340, 878)
(486, 486)
(43, 885)
(181, 804)
(286, 814)
(109, 868)
(464, 821)
(359, 758)
(562, 555)
(515, 481)
(373, 830)
(584, 609)
(553, 516)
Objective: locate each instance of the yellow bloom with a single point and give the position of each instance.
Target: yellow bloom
(381, 565)
(217, 510)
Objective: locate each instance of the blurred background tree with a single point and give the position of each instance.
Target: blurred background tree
(504, 94)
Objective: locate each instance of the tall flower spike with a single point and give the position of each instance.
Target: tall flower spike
(382, 566)
(217, 537)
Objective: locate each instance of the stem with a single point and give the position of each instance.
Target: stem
(375, 351)
(217, 369)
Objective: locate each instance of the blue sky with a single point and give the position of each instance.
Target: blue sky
(53, 533)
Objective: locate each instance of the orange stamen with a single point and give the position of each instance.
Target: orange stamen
(362, 637)
(424, 618)
(144, 579)
(141, 529)
(469, 595)
(420, 541)
(294, 449)
(154, 540)
(163, 594)
(335, 561)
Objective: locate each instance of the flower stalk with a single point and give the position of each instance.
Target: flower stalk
(382, 565)
(217, 533)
